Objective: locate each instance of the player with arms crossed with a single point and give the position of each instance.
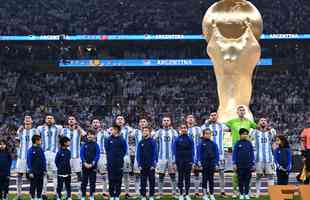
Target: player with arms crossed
(74, 132)
(196, 133)
(50, 133)
(217, 136)
(24, 135)
(263, 138)
(166, 161)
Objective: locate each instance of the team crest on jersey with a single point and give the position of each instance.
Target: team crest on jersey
(240, 145)
(167, 139)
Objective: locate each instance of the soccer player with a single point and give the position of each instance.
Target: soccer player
(116, 148)
(102, 135)
(235, 125)
(137, 136)
(50, 133)
(5, 170)
(208, 158)
(126, 132)
(196, 133)
(74, 132)
(283, 160)
(263, 138)
(147, 156)
(90, 154)
(62, 162)
(36, 163)
(184, 151)
(305, 147)
(217, 130)
(243, 161)
(24, 135)
(166, 161)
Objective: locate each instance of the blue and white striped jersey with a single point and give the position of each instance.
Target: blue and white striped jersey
(49, 136)
(195, 132)
(25, 136)
(101, 136)
(218, 130)
(126, 133)
(262, 142)
(75, 136)
(165, 139)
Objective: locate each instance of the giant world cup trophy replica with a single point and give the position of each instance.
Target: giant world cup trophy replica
(232, 29)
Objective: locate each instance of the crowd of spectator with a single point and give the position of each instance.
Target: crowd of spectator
(136, 17)
(281, 95)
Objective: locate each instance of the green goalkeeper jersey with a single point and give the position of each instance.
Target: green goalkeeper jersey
(236, 124)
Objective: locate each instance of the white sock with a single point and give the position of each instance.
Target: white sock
(137, 184)
(197, 183)
(222, 180)
(104, 183)
(258, 184)
(126, 182)
(270, 180)
(55, 182)
(174, 186)
(19, 185)
(45, 182)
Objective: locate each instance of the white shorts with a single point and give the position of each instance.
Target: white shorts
(265, 168)
(21, 166)
(50, 161)
(136, 169)
(102, 164)
(76, 165)
(127, 164)
(164, 166)
(222, 164)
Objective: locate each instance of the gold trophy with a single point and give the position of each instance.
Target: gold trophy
(232, 29)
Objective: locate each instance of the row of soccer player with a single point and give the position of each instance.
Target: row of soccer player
(165, 136)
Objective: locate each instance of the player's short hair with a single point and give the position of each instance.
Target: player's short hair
(213, 111)
(206, 130)
(91, 132)
(243, 131)
(63, 140)
(117, 127)
(183, 124)
(35, 138)
(240, 106)
(95, 118)
(148, 128)
(144, 117)
(2, 141)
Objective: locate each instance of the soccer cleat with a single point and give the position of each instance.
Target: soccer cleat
(212, 197)
(223, 195)
(91, 198)
(234, 196)
(205, 197)
(83, 198)
(159, 196)
(151, 198)
(257, 195)
(187, 197)
(116, 198)
(241, 197)
(44, 197)
(127, 196)
(197, 195)
(181, 197)
(143, 198)
(69, 198)
(247, 197)
(111, 198)
(58, 198)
